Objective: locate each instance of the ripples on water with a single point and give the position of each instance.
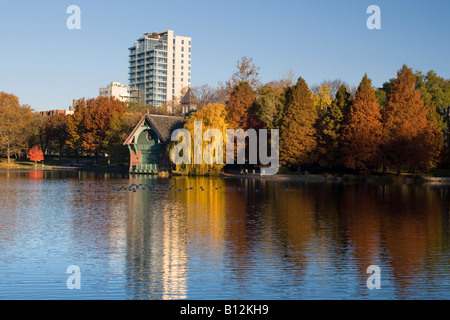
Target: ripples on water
(222, 239)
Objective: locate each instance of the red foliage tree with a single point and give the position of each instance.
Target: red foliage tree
(35, 154)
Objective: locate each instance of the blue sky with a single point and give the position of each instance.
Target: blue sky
(47, 65)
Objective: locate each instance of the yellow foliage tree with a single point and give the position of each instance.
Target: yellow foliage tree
(212, 116)
(323, 98)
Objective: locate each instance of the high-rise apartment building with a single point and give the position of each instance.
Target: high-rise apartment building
(159, 67)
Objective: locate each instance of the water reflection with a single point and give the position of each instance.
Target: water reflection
(212, 238)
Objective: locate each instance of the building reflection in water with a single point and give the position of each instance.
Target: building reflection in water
(156, 248)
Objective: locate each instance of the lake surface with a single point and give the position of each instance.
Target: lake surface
(215, 238)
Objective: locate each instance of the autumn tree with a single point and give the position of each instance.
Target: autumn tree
(97, 119)
(362, 130)
(239, 102)
(15, 120)
(411, 138)
(322, 98)
(298, 132)
(212, 116)
(88, 127)
(35, 154)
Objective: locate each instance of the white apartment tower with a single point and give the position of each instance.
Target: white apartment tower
(159, 67)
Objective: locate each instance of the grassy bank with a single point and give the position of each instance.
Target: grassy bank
(56, 163)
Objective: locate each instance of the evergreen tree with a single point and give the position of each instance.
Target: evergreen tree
(75, 128)
(362, 131)
(298, 133)
(330, 128)
(270, 104)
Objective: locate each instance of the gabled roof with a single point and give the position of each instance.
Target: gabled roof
(189, 98)
(163, 125)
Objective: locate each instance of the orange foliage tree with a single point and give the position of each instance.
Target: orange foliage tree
(362, 130)
(88, 126)
(411, 138)
(239, 104)
(15, 119)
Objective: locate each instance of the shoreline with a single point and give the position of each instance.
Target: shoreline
(346, 178)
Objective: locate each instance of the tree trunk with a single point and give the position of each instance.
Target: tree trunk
(8, 152)
(60, 150)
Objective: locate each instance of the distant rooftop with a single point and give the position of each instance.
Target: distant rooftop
(189, 98)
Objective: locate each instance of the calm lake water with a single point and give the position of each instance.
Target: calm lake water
(222, 239)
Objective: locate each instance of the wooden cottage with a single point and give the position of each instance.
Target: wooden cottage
(148, 143)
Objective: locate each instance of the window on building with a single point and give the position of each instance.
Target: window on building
(189, 49)
(182, 68)
(182, 41)
(189, 62)
(182, 48)
(182, 55)
(189, 42)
